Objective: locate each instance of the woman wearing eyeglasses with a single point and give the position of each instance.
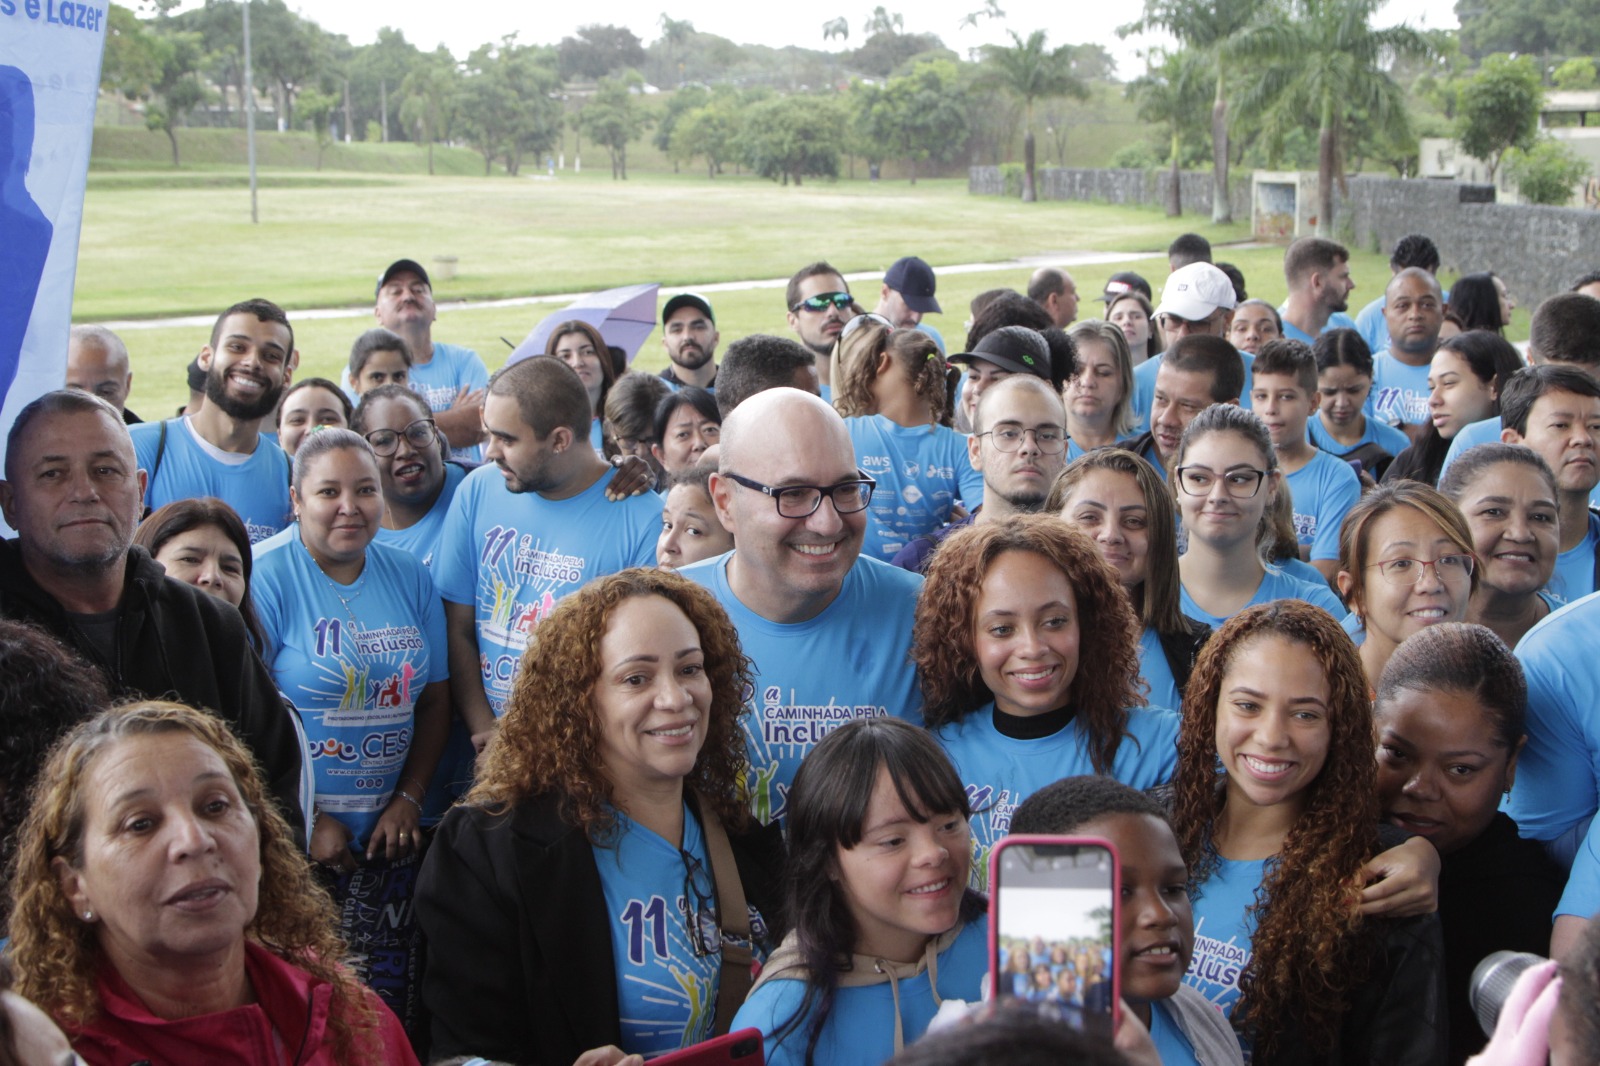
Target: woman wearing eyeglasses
(1405, 562)
(889, 384)
(598, 891)
(418, 481)
(1225, 476)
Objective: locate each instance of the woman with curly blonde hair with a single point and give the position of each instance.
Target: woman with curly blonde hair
(163, 912)
(889, 384)
(1029, 656)
(1277, 844)
(583, 899)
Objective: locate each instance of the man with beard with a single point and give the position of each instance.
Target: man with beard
(72, 493)
(689, 333)
(531, 525)
(819, 305)
(219, 451)
(1318, 273)
(1019, 444)
(450, 377)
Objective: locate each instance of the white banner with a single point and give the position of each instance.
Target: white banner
(49, 74)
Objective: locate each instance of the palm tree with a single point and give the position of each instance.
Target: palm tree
(1210, 31)
(1029, 71)
(1322, 60)
(1170, 94)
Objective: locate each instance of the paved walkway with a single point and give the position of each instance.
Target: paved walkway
(1059, 259)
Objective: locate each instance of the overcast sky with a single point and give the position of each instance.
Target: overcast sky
(463, 26)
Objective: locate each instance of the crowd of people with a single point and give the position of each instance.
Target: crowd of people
(572, 714)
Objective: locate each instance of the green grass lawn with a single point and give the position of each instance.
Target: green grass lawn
(163, 243)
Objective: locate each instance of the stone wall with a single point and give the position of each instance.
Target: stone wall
(1118, 187)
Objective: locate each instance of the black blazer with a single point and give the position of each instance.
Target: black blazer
(519, 946)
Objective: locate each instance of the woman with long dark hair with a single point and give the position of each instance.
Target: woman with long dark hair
(1464, 383)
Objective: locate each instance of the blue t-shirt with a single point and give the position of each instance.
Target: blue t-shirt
(1223, 929)
(1323, 491)
(1157, 673)
(860, 1029)
(254, 485)
(853, 660)
(513, 555)
(1399, 392)
(1337, 320)
(921, 471)
(1560, 765)
(1144, 388)
(1275, 585)
(999, 772)
(355, 672)
(1372, 326)
(1574, 574)
(666, 994)
(1582, 894)
(422, 538)
(1172, 1047)
(1392, 440)
(441, 379)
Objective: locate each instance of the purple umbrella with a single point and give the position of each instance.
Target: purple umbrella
(624, 317)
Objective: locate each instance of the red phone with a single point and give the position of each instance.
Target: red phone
(1054, 922)
(742, 1048)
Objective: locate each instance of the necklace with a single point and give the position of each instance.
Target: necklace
(359, 585)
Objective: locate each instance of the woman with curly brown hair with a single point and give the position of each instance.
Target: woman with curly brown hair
(889, 384)
(162, 911)
(1277, 843)
(1029, 656)
(583, 899)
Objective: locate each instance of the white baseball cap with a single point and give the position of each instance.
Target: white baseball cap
(1196, 292)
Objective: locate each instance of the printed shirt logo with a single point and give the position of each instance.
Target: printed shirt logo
(778, 735)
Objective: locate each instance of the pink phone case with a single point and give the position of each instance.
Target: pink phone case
(740, 1048)
(1116, 905)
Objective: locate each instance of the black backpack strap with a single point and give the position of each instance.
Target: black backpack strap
(150, 478)
(1182, 649)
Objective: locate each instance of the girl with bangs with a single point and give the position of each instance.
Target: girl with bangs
(885, 927)
(889, 384)
(1277, 845)
(1029, 655)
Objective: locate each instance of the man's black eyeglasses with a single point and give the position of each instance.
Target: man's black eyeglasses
(802, 501)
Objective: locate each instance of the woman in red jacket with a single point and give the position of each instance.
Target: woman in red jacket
(163, 913)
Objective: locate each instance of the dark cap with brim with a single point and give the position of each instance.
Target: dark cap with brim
(1015, 348)
(402, 266)
(687, 299)
(913, 280)
(1122, 283)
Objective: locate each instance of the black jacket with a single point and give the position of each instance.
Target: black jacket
(176, 642)
(520, 968)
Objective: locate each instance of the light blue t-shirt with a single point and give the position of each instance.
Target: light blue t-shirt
(1172, 1047)
(1392, 440)
(921, 471)
(1337, 320)
(355, 672)
(1399, 392)
(441, 379)
(860, 1029)
(513, 555)
(1582, 894)
(1144, 388)
(1574, 574)
(1559, 768)
(1157, 673)
(853, 660)
(666, 994)
(421, 539)
(255, 485)
(1487, 432)
(1223, 929)
(1275, 585)
(999, 772)
(1323, 490)
(1372, 326)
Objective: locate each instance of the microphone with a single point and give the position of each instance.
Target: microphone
(1491, 984)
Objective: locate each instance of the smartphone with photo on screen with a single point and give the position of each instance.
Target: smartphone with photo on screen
(1054, 910)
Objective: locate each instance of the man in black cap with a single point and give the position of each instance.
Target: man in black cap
(451, 378)
(1056, 292)
(1008, 350)
(907, 295)
(689, 333)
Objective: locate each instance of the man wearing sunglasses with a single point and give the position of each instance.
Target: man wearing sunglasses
(820, 303)
(828, 629)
